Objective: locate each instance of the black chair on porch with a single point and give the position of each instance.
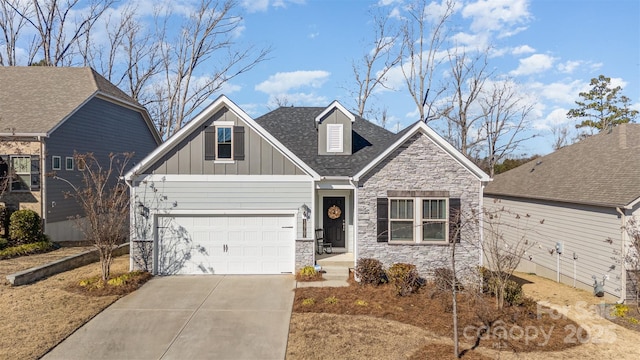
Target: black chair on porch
(322, 246)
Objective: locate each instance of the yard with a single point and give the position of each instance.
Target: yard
(359, 322)
(38, 316)
(353, 322)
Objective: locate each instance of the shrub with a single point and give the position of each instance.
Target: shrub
(3, 243)
(361, 303)
(308, 273)
(404, 278)
(25, 227)
(308, 301)
(331, 300)
(26, 249)
(513, 294)
(370, 271)
(443, 278)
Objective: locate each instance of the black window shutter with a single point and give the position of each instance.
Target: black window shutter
(35, 172)
(238, 143)
(209, 143)
(455, 220)
(4, 166)
(383, 220)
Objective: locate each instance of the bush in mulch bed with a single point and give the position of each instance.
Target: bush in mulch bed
(431, 310)
(309, 273)
(121, 284)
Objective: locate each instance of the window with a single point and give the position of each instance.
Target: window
(401, 219)
(22, 170)
(69, 163)
(21, 166)
(223, 142)
(56, 163)
(417, 219)
(81, 164)
(434, 219)
(334, 138)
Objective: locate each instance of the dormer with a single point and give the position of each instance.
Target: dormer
(334, 126)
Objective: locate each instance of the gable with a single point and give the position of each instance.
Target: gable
(334, 133)
(190, 155)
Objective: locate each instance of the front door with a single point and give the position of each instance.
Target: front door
(334, 220)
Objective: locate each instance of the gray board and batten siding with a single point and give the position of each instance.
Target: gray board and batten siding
(593, 234)
(260, 157)
(335, 116)
(101, 127)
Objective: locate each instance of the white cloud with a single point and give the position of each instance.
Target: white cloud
(561, 92)
(253, 6)
(284, 81)
(313, 35)
(495, 15)
(557, 117)
(523, 49)
(395, 14)
(434, 11)
(389, 2)
(536, 63)
(569, 66)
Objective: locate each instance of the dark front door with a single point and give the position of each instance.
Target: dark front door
(334, 220)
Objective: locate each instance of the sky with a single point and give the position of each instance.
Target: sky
(549, 48)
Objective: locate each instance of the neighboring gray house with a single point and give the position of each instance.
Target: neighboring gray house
(49, 113)
(585, 193)
(229, 194)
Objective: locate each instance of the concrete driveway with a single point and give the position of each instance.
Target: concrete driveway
(190, 317)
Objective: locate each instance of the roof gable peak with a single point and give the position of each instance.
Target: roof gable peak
(335, 105)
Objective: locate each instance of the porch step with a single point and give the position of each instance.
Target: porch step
(344, 260)
(333, 272)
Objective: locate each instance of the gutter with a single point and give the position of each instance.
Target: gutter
(623, 242)
(330, 178)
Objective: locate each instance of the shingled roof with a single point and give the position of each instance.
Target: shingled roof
(601, 170)
(34, 99)
(295, 128)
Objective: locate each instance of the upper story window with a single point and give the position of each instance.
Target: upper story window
(334, 138)
(56, 163)
(69, 163)
(20, 172)
(224, 142)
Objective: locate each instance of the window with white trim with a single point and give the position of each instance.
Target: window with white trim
(69, 163)
(224, 142)
(418, 220)
(334, 138)
(21, 166)
(56, 163)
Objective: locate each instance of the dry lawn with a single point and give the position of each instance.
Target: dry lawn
(419, 327)
(38, 316)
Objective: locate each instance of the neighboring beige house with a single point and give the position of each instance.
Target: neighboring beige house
(585, 193)
(46, 115)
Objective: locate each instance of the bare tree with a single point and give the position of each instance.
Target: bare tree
(560, 137)
(423, 35)
(11, 25)
(462, 110)
(371, 70)
(506, 122)
(504, 246)
(632, 257)
(59, 25)
(104, 199)
(208, 32)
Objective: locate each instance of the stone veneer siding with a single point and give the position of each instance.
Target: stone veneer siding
(304, 253)
(419, 164)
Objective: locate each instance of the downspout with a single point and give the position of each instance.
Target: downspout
(131, 220)
(43, 187)
(481, 222)
(623, 242)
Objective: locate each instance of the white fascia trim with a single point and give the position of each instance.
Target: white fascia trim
(222, 178)
(325, 186)
(439, 141)
(227, 212)
(221, 101)
(335, 105)
(632, 204)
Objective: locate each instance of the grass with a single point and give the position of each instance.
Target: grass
(36, 317)
(27, 249)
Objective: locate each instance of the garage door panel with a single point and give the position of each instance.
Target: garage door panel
(226, 245)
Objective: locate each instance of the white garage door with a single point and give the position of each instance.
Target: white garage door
(226, 244)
